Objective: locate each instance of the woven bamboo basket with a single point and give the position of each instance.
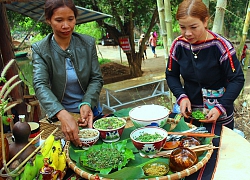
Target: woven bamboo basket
(174, 176)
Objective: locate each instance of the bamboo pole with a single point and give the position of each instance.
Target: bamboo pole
(161, 11)
(244, 33)
(219, 16)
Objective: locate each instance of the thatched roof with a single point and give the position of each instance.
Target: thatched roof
(35, 10)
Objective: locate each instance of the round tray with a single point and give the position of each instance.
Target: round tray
(173, 176)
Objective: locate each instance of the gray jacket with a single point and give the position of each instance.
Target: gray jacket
(49, 73)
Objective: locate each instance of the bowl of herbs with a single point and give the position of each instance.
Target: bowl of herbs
(149, 140)
(110, 128)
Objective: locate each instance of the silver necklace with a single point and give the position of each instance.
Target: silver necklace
(196, 54)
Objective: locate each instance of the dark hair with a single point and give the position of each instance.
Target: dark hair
(51, 5)
(194, 8)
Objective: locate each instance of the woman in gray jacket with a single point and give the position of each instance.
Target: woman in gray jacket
(66, 73)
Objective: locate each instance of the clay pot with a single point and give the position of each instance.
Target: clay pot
(182, 158)
(191, 142)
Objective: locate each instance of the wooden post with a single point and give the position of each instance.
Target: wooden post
(8, 54)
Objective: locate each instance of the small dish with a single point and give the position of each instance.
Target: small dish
(156, 169)
(88, 137)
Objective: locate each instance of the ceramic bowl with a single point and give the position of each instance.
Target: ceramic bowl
(155, 169)
(110, 128)
(35, 130)
(88, 137)
(182, 158)
(149, 115)
(148, 147)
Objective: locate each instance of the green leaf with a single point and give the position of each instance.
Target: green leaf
(125, 173)
(122, 112)
(181, 126)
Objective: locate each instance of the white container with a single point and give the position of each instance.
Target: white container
(149, 115)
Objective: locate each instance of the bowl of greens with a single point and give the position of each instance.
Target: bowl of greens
(149, 140)
(110, 128)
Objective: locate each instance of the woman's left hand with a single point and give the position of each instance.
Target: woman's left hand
(87, 116)
(212, 116)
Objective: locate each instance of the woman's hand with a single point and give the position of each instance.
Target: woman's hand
(69, 127)
(86, 117)
(212, 116)
(185, 107)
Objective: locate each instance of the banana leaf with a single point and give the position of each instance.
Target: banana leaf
(133, 168)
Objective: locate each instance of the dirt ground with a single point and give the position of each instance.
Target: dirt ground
(118, 70)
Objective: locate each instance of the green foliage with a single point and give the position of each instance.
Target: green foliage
(90, 28)
(103, 60)
(37, 37)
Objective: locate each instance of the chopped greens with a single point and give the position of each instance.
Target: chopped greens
(198, 114)
(109, 123)
(107, 157)
(146, 137)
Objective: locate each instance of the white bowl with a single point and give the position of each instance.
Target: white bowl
(90, 140)
(149, 115)
(149, 148)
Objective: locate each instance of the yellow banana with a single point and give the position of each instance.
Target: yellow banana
(61, 161)
(47, 145)
(38, 161)
(53, 160)
(58, 145)
(29, 171)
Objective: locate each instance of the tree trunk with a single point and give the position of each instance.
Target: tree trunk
(244, 34)
(168, 19)
(219, 16)
(8, 54)
(135, 62)
(161, 12)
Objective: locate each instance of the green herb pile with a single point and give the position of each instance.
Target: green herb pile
(107, 157)
(146, 137)
(108, 123)
(198, 114)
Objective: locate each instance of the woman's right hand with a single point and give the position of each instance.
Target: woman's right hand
(185, 107)
(69, 127)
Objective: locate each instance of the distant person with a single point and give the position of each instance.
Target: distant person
(243, 55)
(144, 46)
(207, 62)
(66, 73)
(153, 42)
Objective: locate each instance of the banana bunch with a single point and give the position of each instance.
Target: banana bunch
(57, 157)
(50, 154)
(29, 173)
(46, 148)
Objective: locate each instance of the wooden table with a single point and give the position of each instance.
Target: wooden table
(234, 156)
